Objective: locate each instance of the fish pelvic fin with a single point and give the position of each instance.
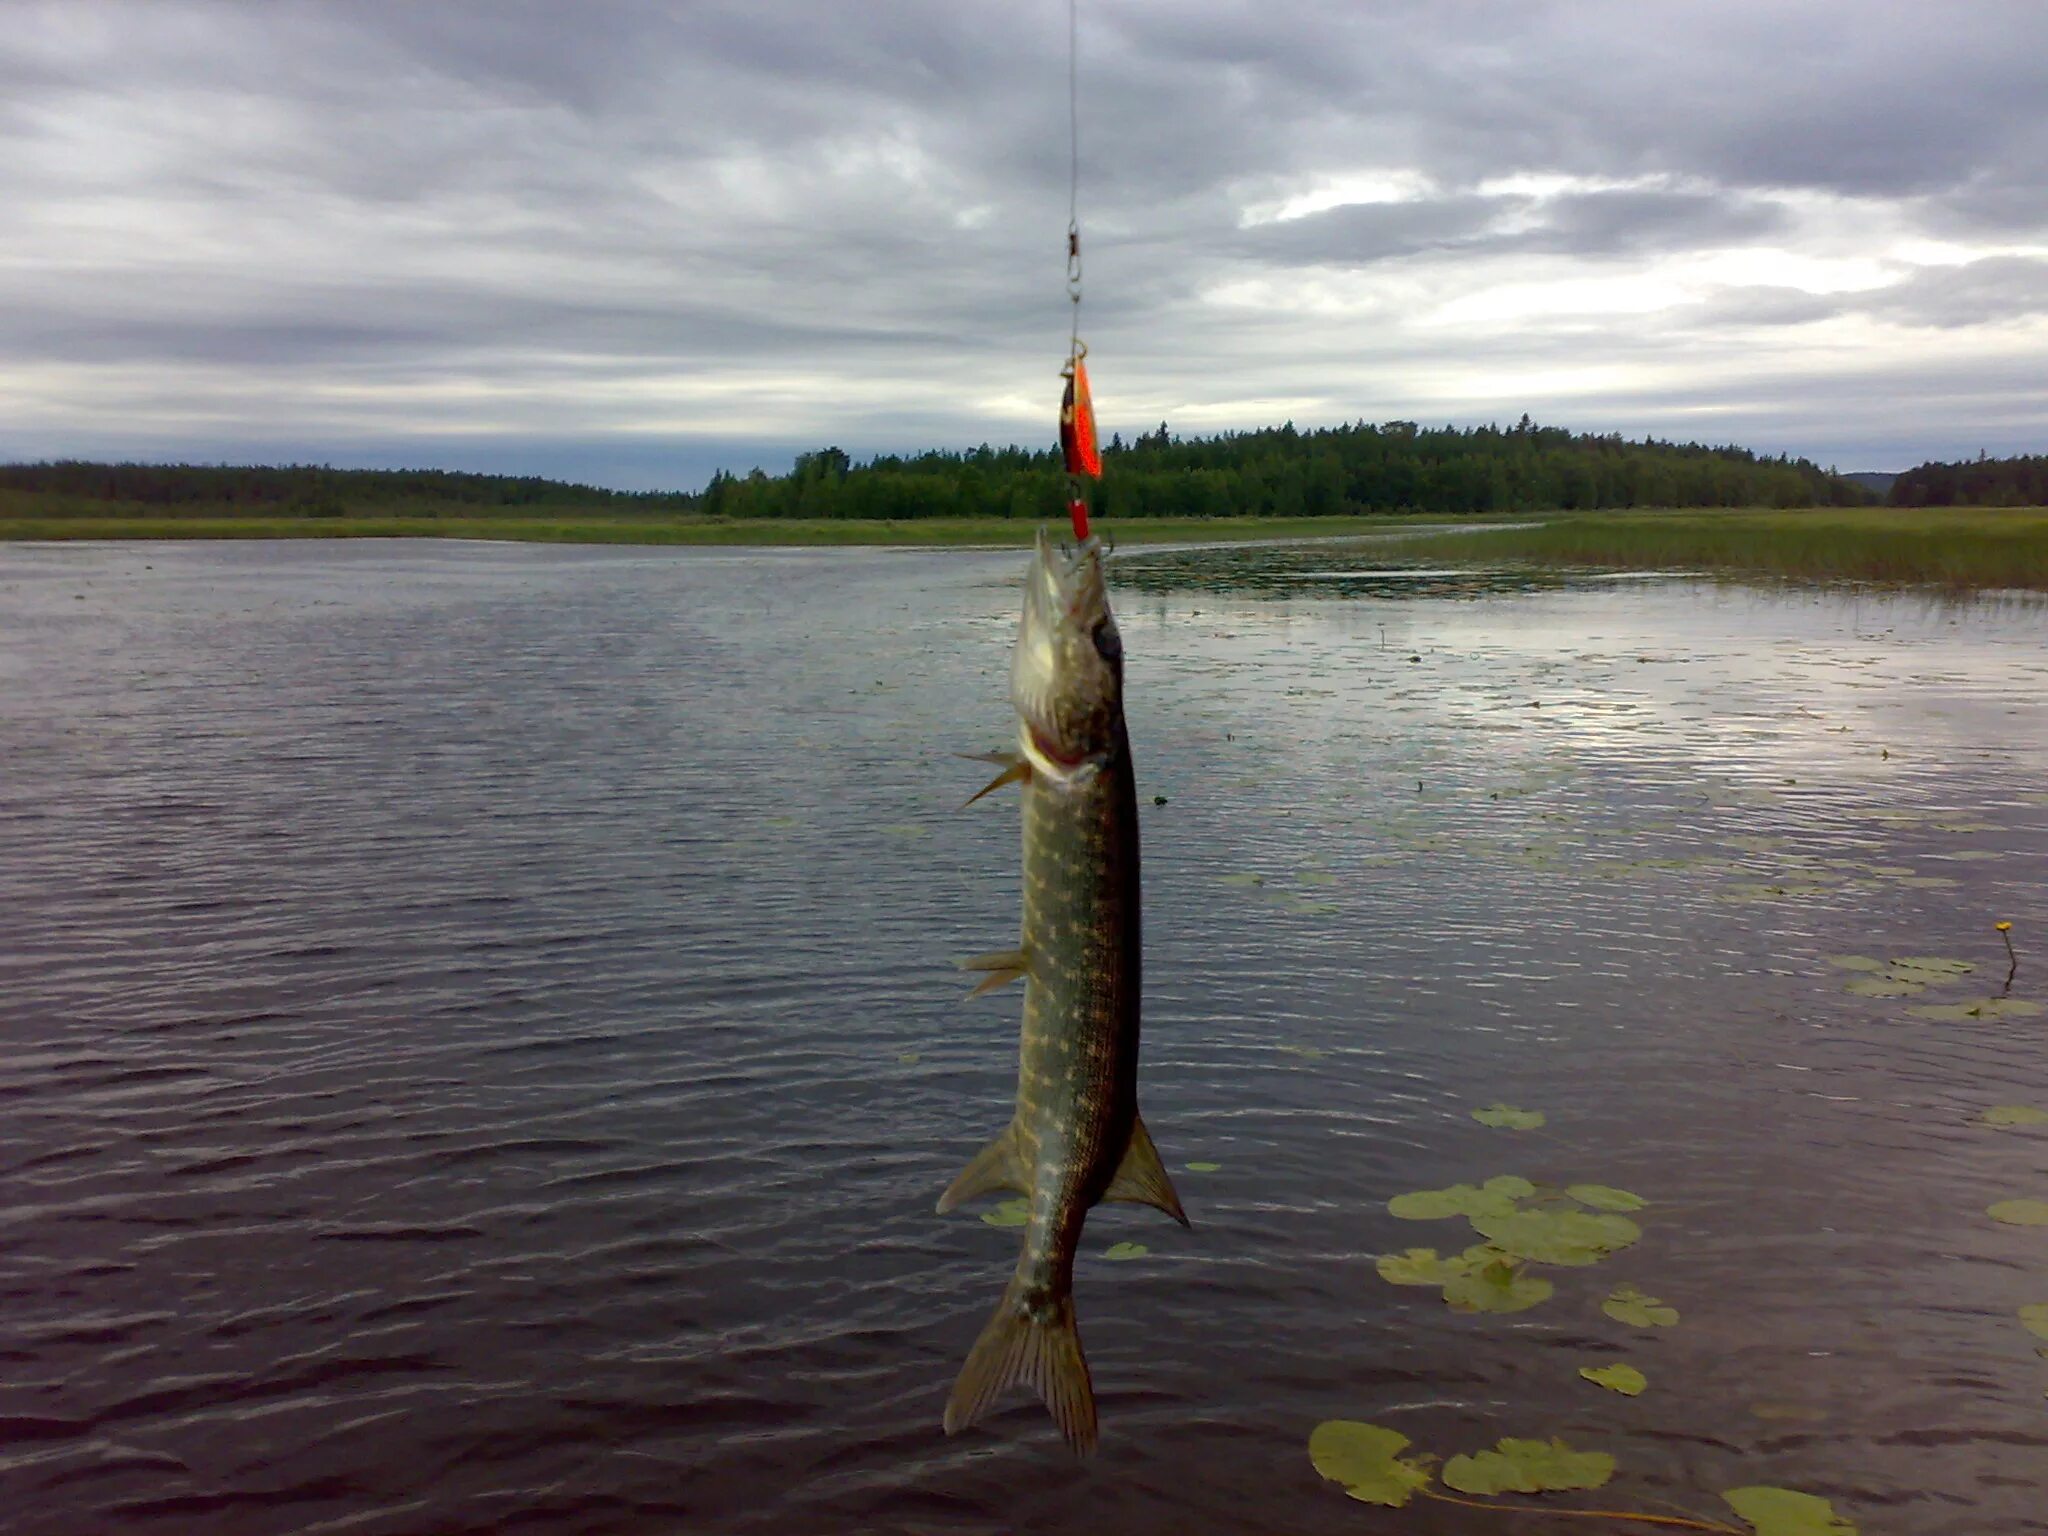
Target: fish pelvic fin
(1015, 771)
(1003, 966)
(1141, 1177)
(1030, 1339)
(999, 1165)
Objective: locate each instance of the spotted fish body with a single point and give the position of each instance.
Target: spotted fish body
(1075, 1138)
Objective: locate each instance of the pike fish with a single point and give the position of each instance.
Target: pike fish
(1076, 1137)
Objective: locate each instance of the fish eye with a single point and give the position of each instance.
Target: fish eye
(1108, 642)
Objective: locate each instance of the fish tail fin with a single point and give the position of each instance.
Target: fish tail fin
(1035, 1345)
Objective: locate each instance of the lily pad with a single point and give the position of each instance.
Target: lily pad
(2034, 1318)
(1507, 1117)
(1366, 1459)
(1126, 1251)
(1606, 1198)
(1202, 1167)
(1010, 1213)
(1418, 1266)
(1933, 967)
(1625, 1379)
(908, 1058)
(1626, 1304)
(2020, 1213)
(1884, 986)
(1781, 1512)
(2013, 1114)
(1496, 1284)
(1245, 879)
(1985, 1008)
(1458, 1200)
(1528, 1466)
(1572, 1238)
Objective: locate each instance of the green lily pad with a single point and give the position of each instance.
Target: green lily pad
(1884, 986)
(1985, 1008)
(1366, 1459)
(1935, 967)
(1246, 879)
(1781, 1512)
(1010, 1213)
(1494, 1283)
(2013, 1114)
(1316, 877)
(1605, 1197)
(1311, 1052)
(1507, 1117)
(908, 1058)
(1854, 962)
(1458, 1200)
(2034, 1318)
(1625, 1379)
(1313, 908)
(1201, 1167)
(1626, 1304)
(1126, 1251)
(2020, 1213)
(1417, 1266)
(1528, 1466)
(1572, 1238)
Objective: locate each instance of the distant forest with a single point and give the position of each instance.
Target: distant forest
(1985, 482)
(1395, 466)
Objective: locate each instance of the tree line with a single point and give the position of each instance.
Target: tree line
(1394, 466)
(1983, 482)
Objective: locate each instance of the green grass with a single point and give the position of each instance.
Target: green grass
(601, 529)
(1956, 547)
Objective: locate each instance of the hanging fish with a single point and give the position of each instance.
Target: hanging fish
(1075, 1138)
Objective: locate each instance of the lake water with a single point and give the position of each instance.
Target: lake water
(481, 1042)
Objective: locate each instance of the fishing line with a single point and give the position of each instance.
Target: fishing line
(1077, 410)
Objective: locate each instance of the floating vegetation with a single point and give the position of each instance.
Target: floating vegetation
(1313, 1053)
(1367, 1460)
(1605, 1197)
(1202, 1167)
(1528, 1466)
(1010, 1213)
(1496, 1197)
(1933, 967)
(1983, 1008)
(1781, 1512)
(1126, 1251)
(1243, 879)
(2013, 1114)
(1507, 1117)
(1377, 1465)
(908, 1058)
(1625, 1379)
(1495, 1284)
(2034, 1318)
(1884, 986)
(1547, 1236)
(1626, 1304)
(2019, 1213)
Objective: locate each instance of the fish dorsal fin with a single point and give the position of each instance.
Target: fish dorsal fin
(1141, 1177)
(999, 1165)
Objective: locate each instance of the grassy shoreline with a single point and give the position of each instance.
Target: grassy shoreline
(596, 529)
(1962, 548)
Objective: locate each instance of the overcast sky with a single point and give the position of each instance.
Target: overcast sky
(632, 243)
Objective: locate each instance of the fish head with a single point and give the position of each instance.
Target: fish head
(1067, 673)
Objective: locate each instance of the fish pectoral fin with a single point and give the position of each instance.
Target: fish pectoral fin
(1141, 1177)
(1037, 1345)
(1003, 966)
(996, 1166)
(1015, 771)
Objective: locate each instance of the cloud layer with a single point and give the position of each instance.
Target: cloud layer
(633, 242)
